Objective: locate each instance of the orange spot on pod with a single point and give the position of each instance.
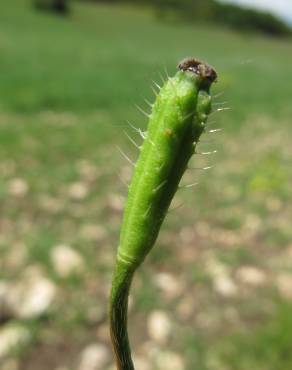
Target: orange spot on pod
(168, 132)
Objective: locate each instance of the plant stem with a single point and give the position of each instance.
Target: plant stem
(122, 279)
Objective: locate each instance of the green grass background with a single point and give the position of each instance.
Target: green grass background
(67, 88)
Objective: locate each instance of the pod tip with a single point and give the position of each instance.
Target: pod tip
(201, 69)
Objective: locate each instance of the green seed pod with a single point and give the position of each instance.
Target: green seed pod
(177, 120)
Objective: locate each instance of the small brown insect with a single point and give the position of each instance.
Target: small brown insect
(201, 69)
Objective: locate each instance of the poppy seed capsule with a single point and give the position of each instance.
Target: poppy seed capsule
(177, 120)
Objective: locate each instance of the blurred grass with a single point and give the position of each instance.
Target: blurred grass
(67, 87)
(101, 57)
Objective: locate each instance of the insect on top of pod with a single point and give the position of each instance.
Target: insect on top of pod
(202, 69)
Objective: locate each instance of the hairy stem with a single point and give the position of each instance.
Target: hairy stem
(118, 315)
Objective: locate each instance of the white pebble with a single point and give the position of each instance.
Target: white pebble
(11, 337)
(214, 267)
(95, 357)
(253, 222)
(169, 284)
(18, 187)
(159, 326)
(251, 275)
(187, 234)
(225, 286)
(32, 296)
(78, 191)
(87, 170)
(116, 202)
(170, 361)
(142, 363)
(66, 261)
(93, 232)
(51, 204)
(284, 285)
(289, 252)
